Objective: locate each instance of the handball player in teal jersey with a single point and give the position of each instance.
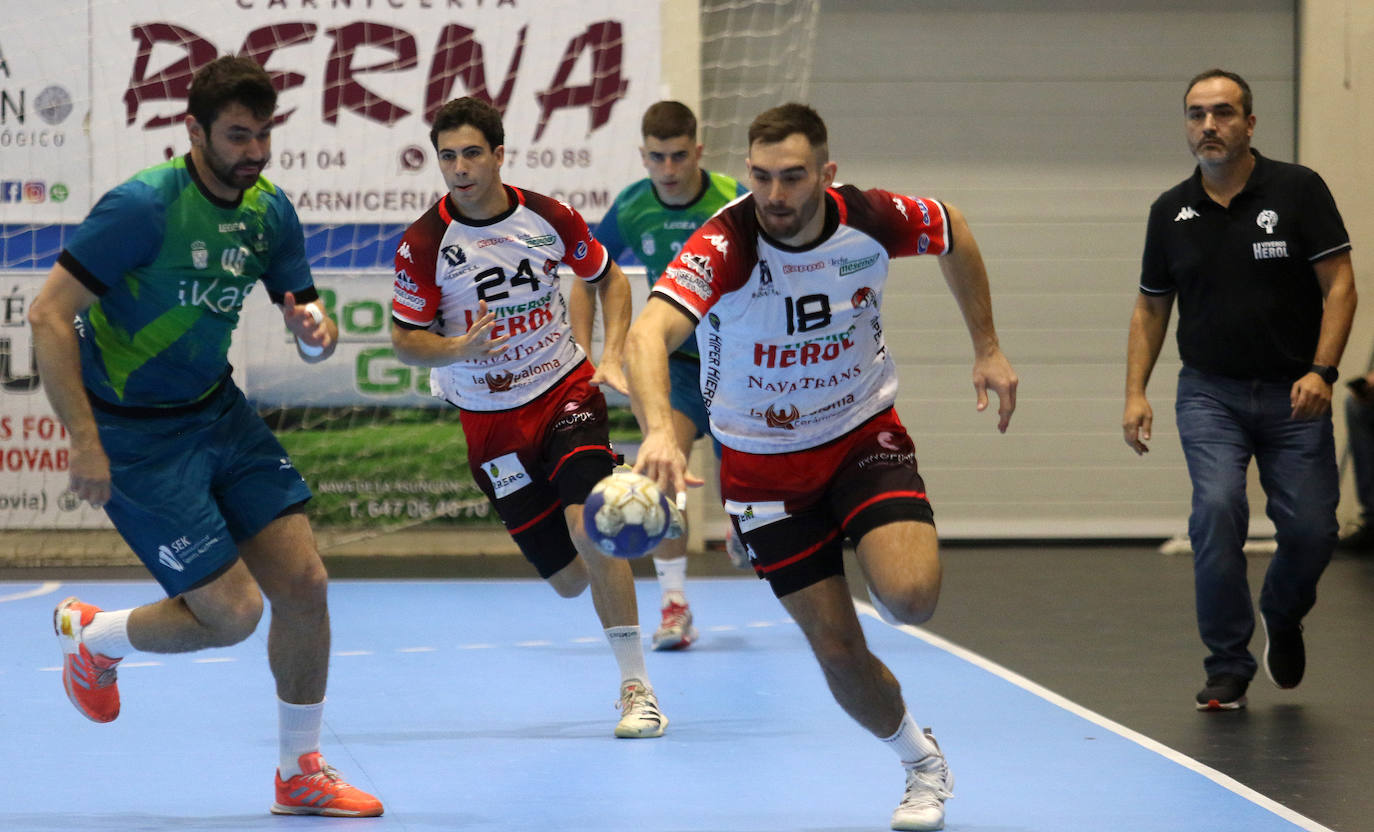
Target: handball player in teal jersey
(131, 332)
(652, 219)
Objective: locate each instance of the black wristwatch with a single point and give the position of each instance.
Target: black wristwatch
(1328, 373)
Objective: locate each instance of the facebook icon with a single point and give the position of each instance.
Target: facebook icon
(11, 191)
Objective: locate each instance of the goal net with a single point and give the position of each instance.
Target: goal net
(358, 85)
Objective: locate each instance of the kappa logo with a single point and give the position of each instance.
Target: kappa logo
(500, 382)
(404, 251)
(1268, 220)
(1187, 213)
(718, 242)
(781, 418)
(901, 206)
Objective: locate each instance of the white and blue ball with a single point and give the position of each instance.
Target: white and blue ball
(626, 515)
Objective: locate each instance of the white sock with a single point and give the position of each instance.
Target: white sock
(909, 743)
(672, 574)
(628, 648)
(108, 634)
(298, 733)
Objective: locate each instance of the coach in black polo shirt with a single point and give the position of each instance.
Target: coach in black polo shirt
(1257, 255)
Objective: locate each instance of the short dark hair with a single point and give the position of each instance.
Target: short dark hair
(468, 110)
(1247, 100)
(668, 120)
(227, 80)
(772, 126)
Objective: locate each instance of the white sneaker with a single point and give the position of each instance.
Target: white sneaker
(639, 714)
(928, 785)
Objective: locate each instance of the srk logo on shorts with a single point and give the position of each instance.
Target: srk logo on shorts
(180, 552)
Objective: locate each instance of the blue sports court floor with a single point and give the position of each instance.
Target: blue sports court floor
(488, 705)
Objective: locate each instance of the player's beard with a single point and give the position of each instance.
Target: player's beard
(786, 226)
(226, 172)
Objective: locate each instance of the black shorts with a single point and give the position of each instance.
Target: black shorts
(795, 510)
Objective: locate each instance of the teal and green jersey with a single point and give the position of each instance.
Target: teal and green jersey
(171, 265)
(654, 232)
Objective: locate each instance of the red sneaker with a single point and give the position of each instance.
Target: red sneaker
(89, 678)
(675, 631)
(320, 790)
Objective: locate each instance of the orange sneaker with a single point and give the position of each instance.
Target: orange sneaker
(320, 790)
(89, 678)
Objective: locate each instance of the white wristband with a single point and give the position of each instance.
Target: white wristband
(307, 349)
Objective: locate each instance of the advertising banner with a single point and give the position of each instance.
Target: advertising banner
(33, 443)
(361, 81)
(44, 97)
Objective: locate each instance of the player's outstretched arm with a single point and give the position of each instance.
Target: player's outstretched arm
(423, 348)
(317, 336)
(658, 330)
(58, 354)
(967, 279)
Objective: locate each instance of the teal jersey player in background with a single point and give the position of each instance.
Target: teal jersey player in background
(653, 218)
(187, 471)
(653, 230)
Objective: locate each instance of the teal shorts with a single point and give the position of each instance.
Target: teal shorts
(684, 394)
(188, 488)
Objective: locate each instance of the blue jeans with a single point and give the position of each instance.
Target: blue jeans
(1222, 423)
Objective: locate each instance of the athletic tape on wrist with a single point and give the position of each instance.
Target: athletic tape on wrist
(308, 349)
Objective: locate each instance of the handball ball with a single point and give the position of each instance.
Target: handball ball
(625, 515)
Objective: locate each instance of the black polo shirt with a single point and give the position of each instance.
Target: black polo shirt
(1249, 305)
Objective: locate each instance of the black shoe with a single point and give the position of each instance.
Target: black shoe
(1224, 692)
(1285, 656)
(1361, 540)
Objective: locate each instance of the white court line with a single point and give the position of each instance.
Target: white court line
(42, 589)
(1226, 782)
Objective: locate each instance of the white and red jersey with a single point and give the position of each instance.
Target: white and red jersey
(446, 264)
(791, 340)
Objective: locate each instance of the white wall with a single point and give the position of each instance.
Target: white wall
(1335, 134)
(1053, 125)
